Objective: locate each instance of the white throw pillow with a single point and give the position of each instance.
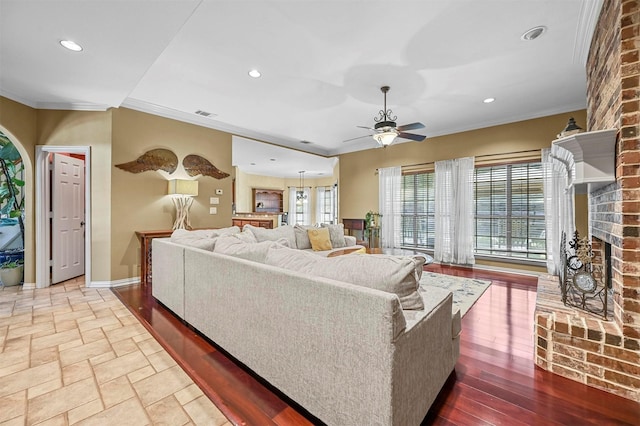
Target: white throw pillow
(231, 245)
(336, 235)
(225, 231)
(264, 234)
(302, 237)
(200, 239)
(393, 274)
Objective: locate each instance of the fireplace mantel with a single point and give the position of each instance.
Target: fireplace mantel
(594, 155)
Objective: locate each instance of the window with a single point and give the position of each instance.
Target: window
(326, 202)
(418, 208)
(509, 211)
(299, 210)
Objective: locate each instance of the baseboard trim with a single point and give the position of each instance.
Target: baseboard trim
(111, 284)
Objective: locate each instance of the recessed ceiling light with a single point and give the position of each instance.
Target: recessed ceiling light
(272, 159)
(254, 73)
(489, 100)
(533, 33)
(253, 164)
(71, 45)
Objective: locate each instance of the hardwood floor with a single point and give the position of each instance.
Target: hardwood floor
(495, 380)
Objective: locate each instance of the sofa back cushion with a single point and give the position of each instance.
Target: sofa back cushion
(264, 234)
(393, 274)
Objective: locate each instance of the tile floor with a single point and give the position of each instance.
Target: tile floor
(71, 355)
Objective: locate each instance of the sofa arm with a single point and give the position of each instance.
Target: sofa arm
(349, 240)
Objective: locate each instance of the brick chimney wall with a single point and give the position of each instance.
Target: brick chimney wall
(613, 102)
(606, 354)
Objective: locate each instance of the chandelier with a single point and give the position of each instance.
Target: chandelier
(300, 195)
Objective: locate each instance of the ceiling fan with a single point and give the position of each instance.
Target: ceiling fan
(385, 131)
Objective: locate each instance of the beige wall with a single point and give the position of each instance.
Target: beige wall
(359, 181)
(87, 128)
(140, 201)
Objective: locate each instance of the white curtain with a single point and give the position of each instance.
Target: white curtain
(454, 211)
(299, 210)
(559, 198)
(390, 199)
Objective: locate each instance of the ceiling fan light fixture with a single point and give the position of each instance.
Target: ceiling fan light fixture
(385, 138)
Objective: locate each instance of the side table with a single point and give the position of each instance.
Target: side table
(145, 238)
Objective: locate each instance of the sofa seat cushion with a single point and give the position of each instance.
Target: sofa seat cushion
(264, 234)
(393, 274)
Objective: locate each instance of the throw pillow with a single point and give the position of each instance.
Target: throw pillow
(231, 245)
(225, 231)
(336, 232)
(302, 238)
(245, 236)
(393, 274)
(200, 239)
(264, 234)
(319, 238)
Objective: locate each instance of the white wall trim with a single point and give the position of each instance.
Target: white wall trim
(43, 278)
(116, 283)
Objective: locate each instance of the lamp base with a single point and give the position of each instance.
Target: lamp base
(183, 204)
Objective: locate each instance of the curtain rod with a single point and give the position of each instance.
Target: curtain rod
(477, 156)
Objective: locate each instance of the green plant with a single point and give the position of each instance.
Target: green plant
(369, 218)
(11, 264)
(11, 186)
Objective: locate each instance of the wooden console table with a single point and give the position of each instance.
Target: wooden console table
(145, 238)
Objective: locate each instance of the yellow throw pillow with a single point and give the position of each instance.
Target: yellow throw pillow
(319, 238)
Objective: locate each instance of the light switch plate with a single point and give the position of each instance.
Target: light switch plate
(218, 191)
(214, 200)
(213, 210)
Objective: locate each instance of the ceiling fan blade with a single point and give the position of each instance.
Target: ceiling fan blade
(414, 137)
(410, 126)
(365, 127)
(359, 137)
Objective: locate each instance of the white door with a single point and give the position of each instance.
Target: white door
(67, 208)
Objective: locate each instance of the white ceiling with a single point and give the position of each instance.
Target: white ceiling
(322, 62)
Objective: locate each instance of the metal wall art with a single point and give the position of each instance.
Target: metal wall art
(164, 159)
(580, 288)
(156, 159)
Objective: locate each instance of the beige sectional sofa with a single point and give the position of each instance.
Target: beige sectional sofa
(348, 353)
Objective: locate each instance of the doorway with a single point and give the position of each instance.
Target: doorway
(45, 188)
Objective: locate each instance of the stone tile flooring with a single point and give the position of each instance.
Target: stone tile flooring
(74, 355)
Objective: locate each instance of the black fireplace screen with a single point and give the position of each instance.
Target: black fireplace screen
(581, 281)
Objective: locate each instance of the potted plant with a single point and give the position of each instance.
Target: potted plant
(11, 272)
(11, 197)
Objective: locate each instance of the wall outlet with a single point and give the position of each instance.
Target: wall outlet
(218, 191)
(213, 210)
(214, 200)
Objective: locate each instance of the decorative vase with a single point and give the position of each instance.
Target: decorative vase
(11, 276)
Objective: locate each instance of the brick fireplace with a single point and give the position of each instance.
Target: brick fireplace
(573, 344)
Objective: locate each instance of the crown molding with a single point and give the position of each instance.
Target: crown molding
(587, 21)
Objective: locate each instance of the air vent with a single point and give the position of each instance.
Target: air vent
(205, 113)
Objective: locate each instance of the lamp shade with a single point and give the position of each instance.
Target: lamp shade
(385, 138)
(183, 187)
